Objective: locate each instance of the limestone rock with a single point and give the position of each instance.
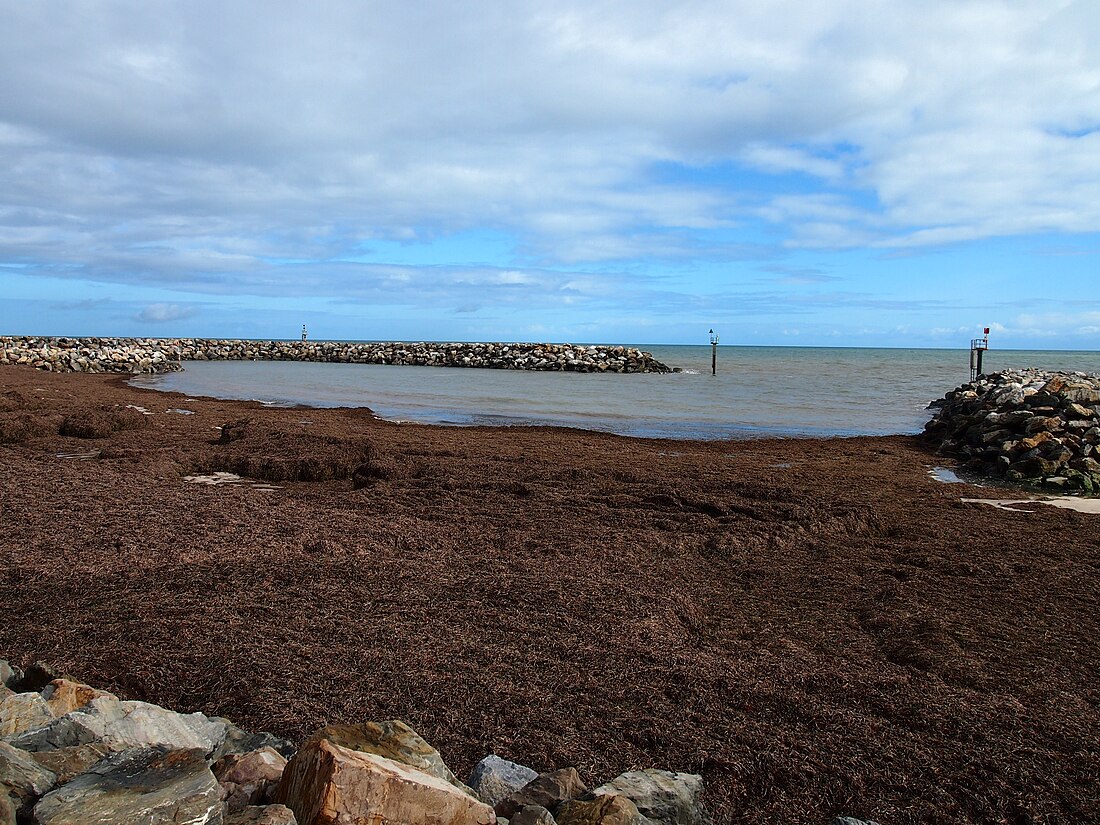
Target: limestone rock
(7, 809)
(532, 815)
(608, 809)
(326, 783)
(547, 789)
(152, 786)
(661, 796)
(22, 712)
(23, 779)
(70, 762)
(494, 778)
(393, 740)
(64, 695)
(250, 779)
(262, 815)
(123, 725)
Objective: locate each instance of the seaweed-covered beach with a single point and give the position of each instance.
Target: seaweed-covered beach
(816, 626)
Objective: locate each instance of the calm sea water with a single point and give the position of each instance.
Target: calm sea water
(758, 391)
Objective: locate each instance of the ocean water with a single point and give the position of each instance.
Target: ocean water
(758, 391)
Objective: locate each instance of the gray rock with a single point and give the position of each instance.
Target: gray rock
(7, 809)
(124, 725)
(242, 741)
(533, 815)
(494, 778)
(661, 796)
(547, 789)
(9, 673)
(23, 779)
(153, 786)
(850, 820)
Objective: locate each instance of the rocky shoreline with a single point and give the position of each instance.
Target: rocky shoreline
(74, 755)
(1029, 426)
(158, 355)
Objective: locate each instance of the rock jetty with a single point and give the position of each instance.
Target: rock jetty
(157, 355)
(1039, 428)
(74, 755)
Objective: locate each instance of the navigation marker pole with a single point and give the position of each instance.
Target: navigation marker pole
(713, 352)
(978, 346)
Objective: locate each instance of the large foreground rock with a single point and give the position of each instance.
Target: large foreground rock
(661, 796)
(123, 725)
(494, 778)
(152, 786)
(325, 784)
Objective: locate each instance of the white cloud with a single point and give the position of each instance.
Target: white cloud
(159, 313)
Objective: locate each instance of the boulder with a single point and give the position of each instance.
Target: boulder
(393, 740)
(124, 725)
(851, 820)
(241, 741)
(9, 674)
(64, 695)
(608, 809)
(152, 785)
(70, 762)
(326, 783)
(22, 779)
(532, 815)
(7, 809)
(547, 789)
(251, 778)
(20, 712)
(661, 796)
(262, 815)
(494, 778)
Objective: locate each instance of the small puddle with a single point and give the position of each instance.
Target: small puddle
(946, 475)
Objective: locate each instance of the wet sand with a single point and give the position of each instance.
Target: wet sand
(817, 626)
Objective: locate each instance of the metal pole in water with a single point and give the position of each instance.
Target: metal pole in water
(713, 352)
(978, 346)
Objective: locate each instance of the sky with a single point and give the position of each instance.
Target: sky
(796, 172)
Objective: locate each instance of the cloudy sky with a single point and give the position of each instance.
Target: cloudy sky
(810, 172)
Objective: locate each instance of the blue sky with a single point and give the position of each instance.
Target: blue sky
(836, 172)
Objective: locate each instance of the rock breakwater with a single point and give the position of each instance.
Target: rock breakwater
(157, 355)
(1031, 426)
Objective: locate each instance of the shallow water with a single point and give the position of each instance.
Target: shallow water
(758, 391)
